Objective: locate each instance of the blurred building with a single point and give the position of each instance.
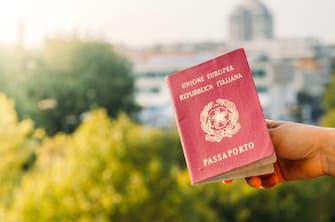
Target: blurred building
(272, 80)
(290, 74)
(251, 20)
(295, 73)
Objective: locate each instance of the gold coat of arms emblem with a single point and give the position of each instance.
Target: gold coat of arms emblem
(219, 119)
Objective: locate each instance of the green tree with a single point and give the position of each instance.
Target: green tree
(329, 103)
(303, 200)
(18, 142)
(108, 170)
(67, 77)
(117, 170)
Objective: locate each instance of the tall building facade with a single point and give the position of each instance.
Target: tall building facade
(289, 73)
(250, 21)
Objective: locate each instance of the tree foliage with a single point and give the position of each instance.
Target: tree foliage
(117, 170)
(18, 141)
(66, 78)
(106, 171)
(329, 103)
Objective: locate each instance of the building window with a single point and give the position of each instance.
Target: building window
(258, 73)
(262, 89)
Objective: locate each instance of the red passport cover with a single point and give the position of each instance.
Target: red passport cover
(219, 116)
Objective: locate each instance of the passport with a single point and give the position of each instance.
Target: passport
(220, 120)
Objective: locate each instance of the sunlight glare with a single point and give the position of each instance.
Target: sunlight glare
(33, 19)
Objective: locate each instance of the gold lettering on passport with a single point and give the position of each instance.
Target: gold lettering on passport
(220, 72)
(229, 153)
(228, 79)
(192, 82)
(195, 92)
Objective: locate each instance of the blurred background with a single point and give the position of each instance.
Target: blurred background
(87, 131)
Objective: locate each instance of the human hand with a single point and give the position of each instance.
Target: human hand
(303, 152)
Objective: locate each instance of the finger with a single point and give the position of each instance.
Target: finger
(272, 123)
(278, 173)
(254, 181)
(269, 181)
(227, 181)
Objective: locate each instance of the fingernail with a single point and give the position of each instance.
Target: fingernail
(227, 181)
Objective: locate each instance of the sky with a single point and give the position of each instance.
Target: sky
(147, 22)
